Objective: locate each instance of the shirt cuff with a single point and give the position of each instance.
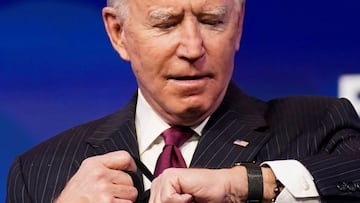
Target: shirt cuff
(295, 177)
(286, 197)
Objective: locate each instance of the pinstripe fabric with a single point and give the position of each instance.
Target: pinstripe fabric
(323, 133)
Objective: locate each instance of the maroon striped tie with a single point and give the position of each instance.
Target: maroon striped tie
(171, 156)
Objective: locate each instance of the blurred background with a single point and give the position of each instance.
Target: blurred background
(58, 69)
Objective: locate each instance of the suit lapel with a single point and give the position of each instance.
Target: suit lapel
(216, 148)
(239, 117)
(117, 132)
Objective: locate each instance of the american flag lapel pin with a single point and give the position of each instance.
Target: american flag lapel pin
(241, 143)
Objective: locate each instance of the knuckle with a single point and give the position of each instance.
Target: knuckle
(127, 158)
(86, 162)
(169, 171)
(133, 193)
(89, 162)
(98, 173)
(126, 192)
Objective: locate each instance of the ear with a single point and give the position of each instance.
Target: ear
(240, 24)
(114, 29)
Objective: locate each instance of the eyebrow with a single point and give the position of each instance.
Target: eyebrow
(161, 14)
(164, 14)
(219, 11)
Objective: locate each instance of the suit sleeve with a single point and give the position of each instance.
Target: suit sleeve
(336, 169)
(17, 191)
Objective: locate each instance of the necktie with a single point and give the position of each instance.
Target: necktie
(171, 156)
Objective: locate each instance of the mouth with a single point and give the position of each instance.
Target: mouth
(187, 78)
(190, 85)
(190, 77)
(187, 86)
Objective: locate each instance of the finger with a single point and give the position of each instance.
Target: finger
(171, 192)
(121, 178)
(155, 190)
(118, 160)
(186, 198)
(125, 192)
(165, 190)
(121, 201)
(162, 196)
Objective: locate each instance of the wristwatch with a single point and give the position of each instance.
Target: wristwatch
(255, 182)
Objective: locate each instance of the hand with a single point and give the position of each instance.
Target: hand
(102, 179)
(200, 185)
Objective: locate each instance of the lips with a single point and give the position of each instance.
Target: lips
(188, 78)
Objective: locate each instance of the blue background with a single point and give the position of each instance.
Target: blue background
(58, 69)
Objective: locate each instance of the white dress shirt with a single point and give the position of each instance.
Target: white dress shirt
(149, 127)
(298, 182)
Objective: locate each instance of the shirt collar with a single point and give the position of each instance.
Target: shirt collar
(149, 125)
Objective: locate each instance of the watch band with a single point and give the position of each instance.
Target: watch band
(255, 182)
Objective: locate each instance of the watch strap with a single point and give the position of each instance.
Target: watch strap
(255, 182)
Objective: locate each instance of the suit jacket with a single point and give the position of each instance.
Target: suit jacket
(322, 133)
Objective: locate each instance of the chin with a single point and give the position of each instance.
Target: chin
(192, 116)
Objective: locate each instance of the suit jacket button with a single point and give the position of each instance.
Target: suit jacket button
(341, 186)
(306, 185)
(358, 186)
(351, 187)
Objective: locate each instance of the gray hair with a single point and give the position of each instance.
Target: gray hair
(121, 6)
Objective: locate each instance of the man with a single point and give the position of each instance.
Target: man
(182, 54)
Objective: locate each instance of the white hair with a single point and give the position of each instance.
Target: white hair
(121, 6)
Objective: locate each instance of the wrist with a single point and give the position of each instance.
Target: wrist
(269, 184)
(237, 185)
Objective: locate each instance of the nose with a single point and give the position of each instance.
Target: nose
(191, 45)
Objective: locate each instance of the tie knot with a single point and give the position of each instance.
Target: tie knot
(177, 135)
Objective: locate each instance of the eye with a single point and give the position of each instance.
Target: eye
(212, 22)
(165, 25)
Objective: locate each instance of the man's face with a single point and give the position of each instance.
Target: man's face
(182, 53)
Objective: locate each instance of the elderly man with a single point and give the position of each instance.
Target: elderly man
(237, 148)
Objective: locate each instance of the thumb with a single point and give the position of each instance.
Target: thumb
(118, 160)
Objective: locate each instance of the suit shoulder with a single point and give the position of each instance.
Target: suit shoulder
(66, 142)
(308, 102)
(307, 109)
(74, 141)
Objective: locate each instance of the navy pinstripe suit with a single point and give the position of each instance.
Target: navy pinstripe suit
(323, 133)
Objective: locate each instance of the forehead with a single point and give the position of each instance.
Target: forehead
(179, 6)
